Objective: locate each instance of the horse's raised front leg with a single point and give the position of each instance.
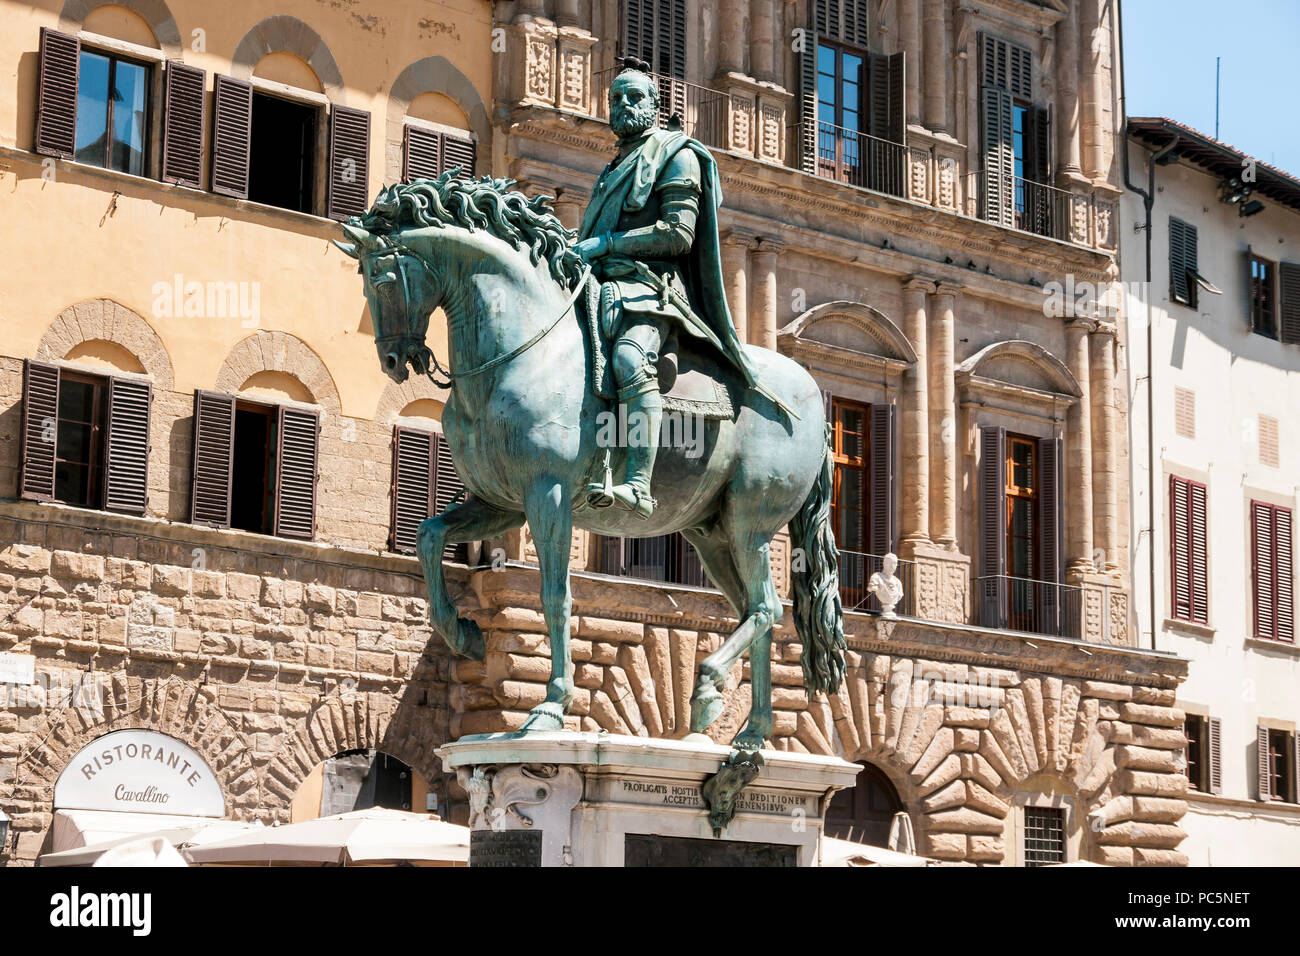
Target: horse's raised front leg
(762, 610)
(548, 508)
(472, 520)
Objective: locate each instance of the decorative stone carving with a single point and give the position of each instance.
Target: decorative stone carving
(540, 72)
(1079, 219)
(740, 129)
(1105, 225)
(1119, 633)
(918, 180)
(947, 182)
(770, 132)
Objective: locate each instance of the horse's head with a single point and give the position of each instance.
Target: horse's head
(402, 294)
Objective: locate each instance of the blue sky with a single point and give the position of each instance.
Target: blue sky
(1170, 46)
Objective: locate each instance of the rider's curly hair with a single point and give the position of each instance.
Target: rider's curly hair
(484, 203)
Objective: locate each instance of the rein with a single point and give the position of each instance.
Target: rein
(452, 377)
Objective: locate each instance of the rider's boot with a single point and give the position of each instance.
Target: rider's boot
(634, 493)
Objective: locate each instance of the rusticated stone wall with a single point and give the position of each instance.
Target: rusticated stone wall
(264, 655)
(961, 719)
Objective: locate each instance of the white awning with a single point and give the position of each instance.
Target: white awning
(74, 829)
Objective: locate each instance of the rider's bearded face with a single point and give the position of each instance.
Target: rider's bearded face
(633, 107)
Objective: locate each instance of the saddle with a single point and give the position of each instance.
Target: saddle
(688, 381)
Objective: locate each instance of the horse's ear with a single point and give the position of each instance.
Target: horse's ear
(362, 238)
(347, 247)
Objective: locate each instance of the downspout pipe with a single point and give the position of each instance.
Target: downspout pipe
(1148, 204)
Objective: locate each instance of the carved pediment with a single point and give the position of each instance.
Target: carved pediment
(847, 333)
(1020, 372)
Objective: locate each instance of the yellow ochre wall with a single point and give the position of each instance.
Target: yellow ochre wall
(91, 234)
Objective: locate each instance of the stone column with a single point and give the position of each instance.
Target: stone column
(934, 35)
(943, 418)
(762, 324)
(1067, 96)
(566, 13)
(732, 17)
(762, 40)
(1078, 453)
(909, 30)
(1095, 39)
(735, 277)
(915, 479)
(568, 207)
(1105, 424)
(530, 10)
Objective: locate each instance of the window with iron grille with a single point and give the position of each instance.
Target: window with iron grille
(1044, 836)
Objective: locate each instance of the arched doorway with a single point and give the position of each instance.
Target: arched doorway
(360, 779)
(863, 812)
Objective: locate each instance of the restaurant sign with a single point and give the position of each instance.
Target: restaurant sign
(140, 771)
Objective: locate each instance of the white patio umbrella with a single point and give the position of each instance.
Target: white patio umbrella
(201, 830)
(374, 836)
(847, 853)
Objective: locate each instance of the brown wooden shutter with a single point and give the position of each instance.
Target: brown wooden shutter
(126, 453)
(412, 487)
(884, 443)
(992, 521)
(1180, 562)
(297, 433)
(808, 129)
(232, 130)
(639, 29)
(185, 120)
(458, 151)
(447, 484)
(349, 154)
(213, 459)
(40, 430)
(56, 100)
(1261, 546)
(1050, 518)
(1198, 548)
(1265, 778)
(1288, 308)
(998, 155)
(1295, 768)
(421, 153)
(1285, 606)
(1214, 733)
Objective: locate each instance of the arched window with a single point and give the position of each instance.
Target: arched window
(863, 813)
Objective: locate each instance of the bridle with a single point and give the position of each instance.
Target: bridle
(402, 253)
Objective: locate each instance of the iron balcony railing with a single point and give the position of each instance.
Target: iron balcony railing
(857, 159)
(856, 569)
(703, 112)
(1023, 604)
(1039, 208)
(667, 558)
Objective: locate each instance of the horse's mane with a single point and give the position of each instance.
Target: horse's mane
(486, 203)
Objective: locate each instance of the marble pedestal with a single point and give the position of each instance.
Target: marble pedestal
(596, 799)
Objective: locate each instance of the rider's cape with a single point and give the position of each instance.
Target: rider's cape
(628, 187)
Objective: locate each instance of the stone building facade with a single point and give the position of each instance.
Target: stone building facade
(914, 255)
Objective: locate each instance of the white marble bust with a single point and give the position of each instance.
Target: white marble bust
(887, 588)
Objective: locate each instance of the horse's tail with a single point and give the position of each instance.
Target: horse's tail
(815, 576)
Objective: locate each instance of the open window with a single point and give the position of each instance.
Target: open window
(863, 448)
(1204, 753)
(85, 438)
(1020, 533)
(254, 466)
(1279, 764)
(264, 148)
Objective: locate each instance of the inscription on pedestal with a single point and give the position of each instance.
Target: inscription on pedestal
(686, 795)
(644, 849)
(505, 848)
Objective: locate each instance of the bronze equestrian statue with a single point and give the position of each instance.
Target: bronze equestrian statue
(538, 325)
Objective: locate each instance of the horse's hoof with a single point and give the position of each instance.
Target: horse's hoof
(548, 715)
(749, 740)
(706, 707)
(469, 640)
